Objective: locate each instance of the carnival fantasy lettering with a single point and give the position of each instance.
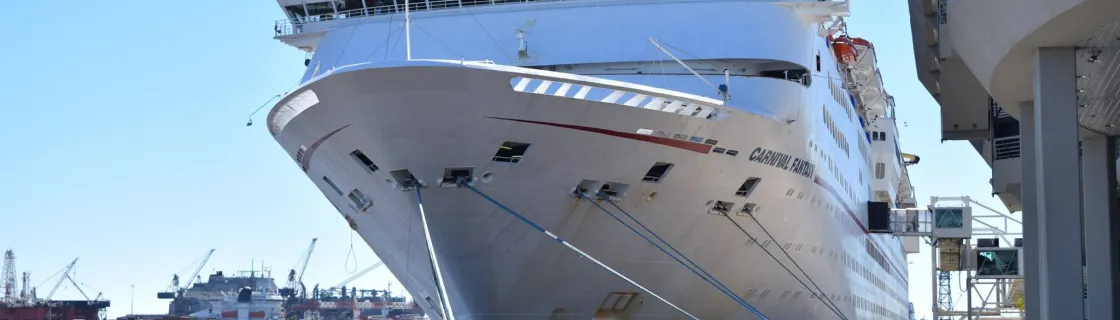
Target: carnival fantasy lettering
(783, 161)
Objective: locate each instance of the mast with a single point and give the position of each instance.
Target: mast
(407, 33)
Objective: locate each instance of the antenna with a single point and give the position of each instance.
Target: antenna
(407, 33)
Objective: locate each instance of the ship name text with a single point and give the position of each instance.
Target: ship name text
(783, 161)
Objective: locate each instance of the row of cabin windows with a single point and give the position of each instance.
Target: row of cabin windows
(841, 97)
(837, 135)
(873, 278)
(835, 171)
(882, 261)
(865, 304)
(868, 305)
(879, 259)
(858, 267)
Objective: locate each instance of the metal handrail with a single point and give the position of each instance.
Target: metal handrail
(286, 27)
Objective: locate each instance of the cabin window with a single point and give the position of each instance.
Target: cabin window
(818, 62)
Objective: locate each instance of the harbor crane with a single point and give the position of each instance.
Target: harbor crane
(295, 285)
(64, 276)
(173, 290)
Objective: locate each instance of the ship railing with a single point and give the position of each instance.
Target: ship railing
(286, 27)
(549, 83)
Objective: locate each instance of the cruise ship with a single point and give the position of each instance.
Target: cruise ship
(604, 159)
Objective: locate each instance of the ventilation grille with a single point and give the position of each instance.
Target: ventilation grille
(1005, 148)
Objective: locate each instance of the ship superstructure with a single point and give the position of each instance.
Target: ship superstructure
(254, 293)
(594, 158)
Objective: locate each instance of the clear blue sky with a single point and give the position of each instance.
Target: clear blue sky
(125, 145)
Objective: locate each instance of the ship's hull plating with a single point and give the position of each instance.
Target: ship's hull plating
(426, 117)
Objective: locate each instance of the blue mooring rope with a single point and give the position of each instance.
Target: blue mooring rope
(464, 183)
(710, 279)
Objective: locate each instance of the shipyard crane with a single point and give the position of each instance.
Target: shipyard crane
(79, 287)
(296, 279)
(65, 274)
(174, 289)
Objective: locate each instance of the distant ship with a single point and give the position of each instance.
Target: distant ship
(749, 137)
(252, 293)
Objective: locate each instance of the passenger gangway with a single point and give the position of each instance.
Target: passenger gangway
(966, 244)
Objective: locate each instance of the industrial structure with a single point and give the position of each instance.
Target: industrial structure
(1032, 84)
(24, 304)
(339, 303)
(255, 295)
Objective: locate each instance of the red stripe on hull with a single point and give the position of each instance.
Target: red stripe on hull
(306, 160)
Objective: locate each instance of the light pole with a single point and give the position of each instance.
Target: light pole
(131, 299)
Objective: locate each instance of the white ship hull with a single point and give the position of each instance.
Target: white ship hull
(426, 116)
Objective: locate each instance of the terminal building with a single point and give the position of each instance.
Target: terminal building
(1034, 86)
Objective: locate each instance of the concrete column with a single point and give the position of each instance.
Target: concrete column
(1028, 193)
(1058, 179)
(1098, 175)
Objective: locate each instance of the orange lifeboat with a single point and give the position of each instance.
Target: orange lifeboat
(845, 48)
